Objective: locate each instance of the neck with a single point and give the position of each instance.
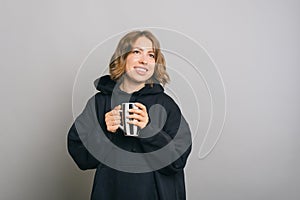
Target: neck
(130, 86)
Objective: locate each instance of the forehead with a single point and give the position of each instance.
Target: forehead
(143, 42)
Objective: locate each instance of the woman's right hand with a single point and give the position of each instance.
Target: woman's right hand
(113, 119)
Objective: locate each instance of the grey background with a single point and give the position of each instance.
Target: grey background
(254, 43)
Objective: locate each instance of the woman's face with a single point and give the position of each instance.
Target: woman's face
(140, 62)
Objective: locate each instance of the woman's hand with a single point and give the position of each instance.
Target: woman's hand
(113, 119)
(139, 116)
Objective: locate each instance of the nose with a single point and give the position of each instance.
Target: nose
(143, 59)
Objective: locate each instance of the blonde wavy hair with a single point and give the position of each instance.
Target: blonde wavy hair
(118, 60)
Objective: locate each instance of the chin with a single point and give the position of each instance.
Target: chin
(138, 79)
(141, 81)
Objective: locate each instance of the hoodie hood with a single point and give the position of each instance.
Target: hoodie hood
(106, 85)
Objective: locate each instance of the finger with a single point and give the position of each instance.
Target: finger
(116, 117)
(137, 123)
(109, 123)
(118, 107)
(134, 122)
(114, 111)
(116, 122)
(112, 129)
(140, 106)
(137, 117)
(112, 118)
(115, 127)
(110, 113)
(113, 123)
(107, 114)
(137, 111)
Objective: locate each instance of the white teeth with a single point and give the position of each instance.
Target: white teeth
(141, 69)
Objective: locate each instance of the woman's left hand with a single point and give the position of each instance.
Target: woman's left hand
(139, 116)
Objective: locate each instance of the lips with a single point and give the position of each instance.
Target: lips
(141, 70)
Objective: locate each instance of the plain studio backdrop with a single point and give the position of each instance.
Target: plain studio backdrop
(255, 46)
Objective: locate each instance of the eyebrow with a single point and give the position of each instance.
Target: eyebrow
(142, 49)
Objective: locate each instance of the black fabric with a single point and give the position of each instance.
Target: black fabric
(166, 183)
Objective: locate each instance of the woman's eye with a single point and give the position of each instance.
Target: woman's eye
(152, 55)
(136, 51)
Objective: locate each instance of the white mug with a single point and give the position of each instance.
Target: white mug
(128, 129)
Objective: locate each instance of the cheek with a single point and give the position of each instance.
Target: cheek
(152, 70)
(130, 62)
(153, 67)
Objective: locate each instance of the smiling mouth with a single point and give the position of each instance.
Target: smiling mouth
(141, 69)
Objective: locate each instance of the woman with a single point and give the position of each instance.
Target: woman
(137, 74)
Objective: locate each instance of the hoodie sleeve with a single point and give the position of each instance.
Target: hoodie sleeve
(79, 136)
(174, 137)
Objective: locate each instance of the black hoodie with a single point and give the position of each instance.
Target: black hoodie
(166, 139)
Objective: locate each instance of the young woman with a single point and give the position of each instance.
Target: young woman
(137, 74)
